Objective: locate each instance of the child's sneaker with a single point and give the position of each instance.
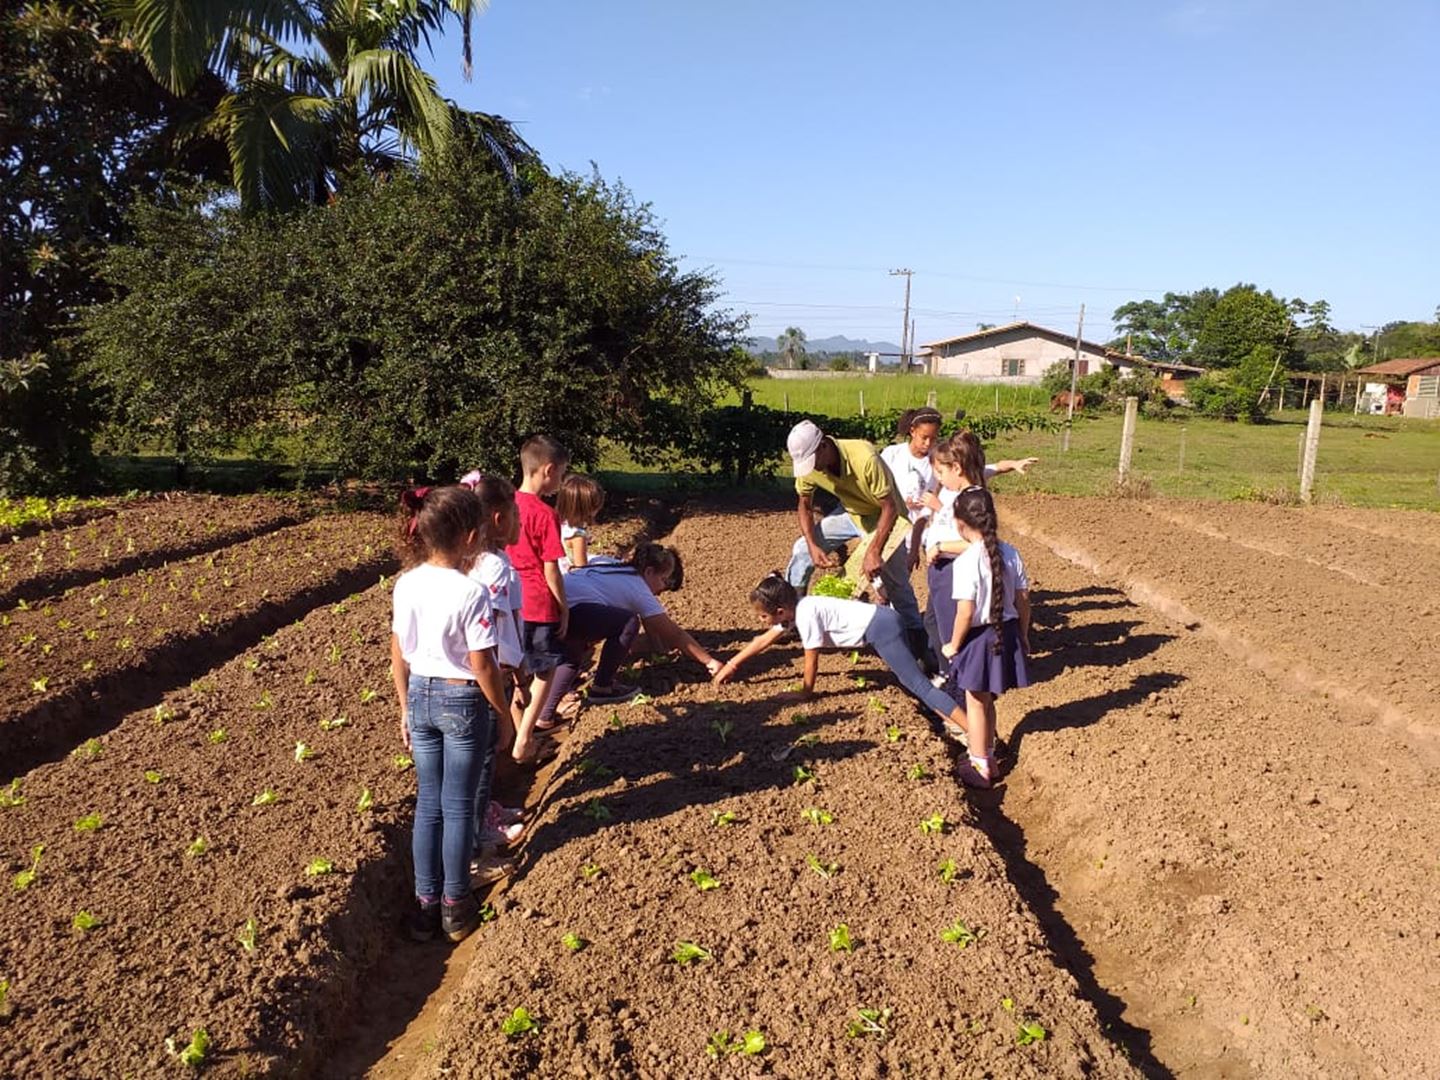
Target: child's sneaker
(459, 918)
(509, 815)
(977, 772)
(424, 921)
(613, 694)
(958, 733)
(502, 835)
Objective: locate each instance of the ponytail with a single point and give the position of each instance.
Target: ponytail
(774, 593)
(435, 520)
(976, 508)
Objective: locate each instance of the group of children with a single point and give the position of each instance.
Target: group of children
(501, 605)
(496, 613)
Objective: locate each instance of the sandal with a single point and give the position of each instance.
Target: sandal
(977, 772)
(547, 753)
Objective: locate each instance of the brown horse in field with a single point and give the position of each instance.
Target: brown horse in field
(1061, 401)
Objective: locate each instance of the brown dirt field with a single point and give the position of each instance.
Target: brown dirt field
(70, 661)
(623, 1007)
(136, 537)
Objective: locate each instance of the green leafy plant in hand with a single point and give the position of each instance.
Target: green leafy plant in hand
(687, 951)
(89, 823)
(959, 934)
(870, 1023)
(832, 585)
(84, 921)
(824, 869)
(704, 880)
(816, 816)
(935, 823)
(192, 1054)
(840, 940)
(319, 867)
(518, 1023)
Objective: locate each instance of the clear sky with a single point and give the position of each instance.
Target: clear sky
(1020, 157)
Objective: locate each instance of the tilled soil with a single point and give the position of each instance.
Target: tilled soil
(71, 662)
(633, 815)
(135, 537)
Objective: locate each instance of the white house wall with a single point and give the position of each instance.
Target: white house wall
(984, 359)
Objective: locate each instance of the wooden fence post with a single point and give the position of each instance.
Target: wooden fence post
(931, 400)
(1127, 437)
(1182, 450)
(1312, 445)
(862, 402)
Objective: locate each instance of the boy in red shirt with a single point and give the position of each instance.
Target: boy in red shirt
(536, 558)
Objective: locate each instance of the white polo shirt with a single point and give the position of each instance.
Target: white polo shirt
(829, 622)
(493, 573)
(974, 581)
(614, 585)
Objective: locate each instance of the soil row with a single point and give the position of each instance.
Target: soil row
(70, 664)
(241, 882)
(756, 830)
(1235, 856)
(136, 537)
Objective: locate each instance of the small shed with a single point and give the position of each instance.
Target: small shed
(1408, 385)
(1173, 377)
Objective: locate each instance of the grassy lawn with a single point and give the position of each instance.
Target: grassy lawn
(841, 397)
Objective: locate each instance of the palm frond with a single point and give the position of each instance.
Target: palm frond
(273, 137)
(177, 38)
(421, 115)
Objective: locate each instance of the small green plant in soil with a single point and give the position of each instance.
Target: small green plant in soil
(192, 1054)
(334, 653)
(25, 878)
(876, 705)
(303, 752)
(265, 798)
(1029, 1031)
(824, 869)
(197, 847)
(218, 736)
(641, 699)
(840, 940)
(721, 818)
(803, 775)
(816, 816)
(590, 767)
(722, 1045)
(10, 796)
(403, 761)
(89, 823)
(934, 824)
(854, 657)
(616, 722)
(4, 998)
(153, 776)
(574, 942)
(800, 717)
(597, 810)
(335, 724)
(89, 750)
(367, 695)
(163, 715)
(41, 684)
(723, 728)
(893, 734)
(319, 867)
(266, 700)
(591, 871)
(870, 1023)
(518, 1023)
(704, 880)
(959, 934)
(311, 677)
(247, 934)
(918, 772)
(860, 681)
(687, 951)
(366, 801)
(84, 921)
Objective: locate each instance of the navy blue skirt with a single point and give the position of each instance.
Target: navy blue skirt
(977, 667)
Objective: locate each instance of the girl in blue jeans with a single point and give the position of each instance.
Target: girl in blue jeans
(443, 658)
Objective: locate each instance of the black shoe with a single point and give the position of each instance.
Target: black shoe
(424, 921)
(460, 918)
(919, 644)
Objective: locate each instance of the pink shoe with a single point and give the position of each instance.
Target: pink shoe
(977, 772)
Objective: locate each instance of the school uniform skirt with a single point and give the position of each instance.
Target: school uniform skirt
(978, 668)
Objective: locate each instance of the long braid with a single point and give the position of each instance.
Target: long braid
(976, 508)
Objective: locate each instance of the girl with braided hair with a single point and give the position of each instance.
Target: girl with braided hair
(991, 636)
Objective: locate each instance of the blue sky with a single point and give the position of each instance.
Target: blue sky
(1020, 158)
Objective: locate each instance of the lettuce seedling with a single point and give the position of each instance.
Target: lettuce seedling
(519, 1022)
(704, 880)
(192, 1054)
(591, 871)
(589, 767)
(334, 654)
(25, 878)
(311, 677)
(1029, 1031)
(335, 724)
(303, 752)
(319, 868)
(218, 736)
(876, 705)
(89, 823)
(840, 940)
(4, 998)
(722, 1045)
(84, 921)
(723, 728)
(918, 772)
(265, 798)
(573, 942)
(948, 871)
(722, 818)
(163, 715)
(874, 1022)
(267, 700)
(803, 775)
(367, 801)
(367, 696)
(687, 951)
(816, 816)
(641, 699)
(824, 869)
(403, 761)
(935, 823)
(860, 681)
(10, 797)
(597, 810)
(246, 937)
(893, 734)
(197, 847)
(616, 723)
(89, 750)
(960, 934)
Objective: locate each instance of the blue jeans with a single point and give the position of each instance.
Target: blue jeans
(486, 777)
(834, 531)
(887, 636)
(450, 731)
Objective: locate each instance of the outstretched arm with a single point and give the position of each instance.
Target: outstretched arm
(756, 646)
(1019, 465)
(670, 635)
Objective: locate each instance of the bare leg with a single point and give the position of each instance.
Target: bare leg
(524, 748)
(980, 722)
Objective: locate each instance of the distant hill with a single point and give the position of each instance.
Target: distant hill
(836, 344)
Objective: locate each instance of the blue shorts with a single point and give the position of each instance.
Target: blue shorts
(543, 650)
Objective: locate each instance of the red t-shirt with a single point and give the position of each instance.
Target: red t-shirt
(539, 543)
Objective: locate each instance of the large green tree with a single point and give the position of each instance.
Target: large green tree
(318, 90)
(1163, 329)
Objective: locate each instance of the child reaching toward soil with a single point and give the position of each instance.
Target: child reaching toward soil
(828, 622)
(442, 653)
(991, 635)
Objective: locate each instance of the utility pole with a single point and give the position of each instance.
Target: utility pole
(905, 326)
(1075, 378)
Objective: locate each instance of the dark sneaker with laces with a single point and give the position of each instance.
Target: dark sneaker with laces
(460, 918)
(611, 695)
(424, 921)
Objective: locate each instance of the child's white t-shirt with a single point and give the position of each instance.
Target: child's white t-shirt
(973, 580)
(566, 532)
(830, 622)
(943, 527)
(493, 572)
(913, 476)
(440, 617)
(614, 585)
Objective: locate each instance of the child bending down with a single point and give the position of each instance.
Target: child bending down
(825, 622)
(991, 635)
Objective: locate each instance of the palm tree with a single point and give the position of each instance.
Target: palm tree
(791, 345)
(318, 88)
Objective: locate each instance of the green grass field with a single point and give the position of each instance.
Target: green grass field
(841, 397)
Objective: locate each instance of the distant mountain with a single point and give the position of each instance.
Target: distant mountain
(836, 344)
